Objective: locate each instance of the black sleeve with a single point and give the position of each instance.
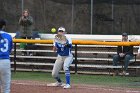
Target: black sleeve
(68, 45)
(119, 49)
(130, 50)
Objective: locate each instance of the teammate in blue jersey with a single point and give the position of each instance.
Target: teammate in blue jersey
(5, 50)
(64, 59)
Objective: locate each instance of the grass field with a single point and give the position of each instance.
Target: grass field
(120, 81)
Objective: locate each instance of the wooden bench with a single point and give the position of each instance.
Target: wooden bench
(109, 67)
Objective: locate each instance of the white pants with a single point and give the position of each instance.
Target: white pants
(5, 75)
(61, 61)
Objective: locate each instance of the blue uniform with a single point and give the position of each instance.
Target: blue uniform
(5, 66)
(63, 50)
(64, 59)
(5, 45)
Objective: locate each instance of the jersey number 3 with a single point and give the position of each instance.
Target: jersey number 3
(5, 45)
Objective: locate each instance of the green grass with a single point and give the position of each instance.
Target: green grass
(81, 79)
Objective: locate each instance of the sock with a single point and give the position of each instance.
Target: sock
(58, 79)
(67, 76)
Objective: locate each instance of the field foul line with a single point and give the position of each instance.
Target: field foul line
(109, 89)
(106, 89)
(29, 84)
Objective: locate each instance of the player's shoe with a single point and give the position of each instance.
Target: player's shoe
(124, 73)
(67, 86)
(56, 84)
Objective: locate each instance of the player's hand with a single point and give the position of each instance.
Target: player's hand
(24, 18)
(121, 54)
(67, 45)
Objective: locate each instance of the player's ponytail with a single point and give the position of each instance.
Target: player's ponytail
(2, 26)
(2, 23)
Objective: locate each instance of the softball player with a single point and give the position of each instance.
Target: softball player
(64, 59)
(5, 50)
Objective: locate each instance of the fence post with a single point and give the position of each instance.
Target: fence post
(75, 58)
(14, 57)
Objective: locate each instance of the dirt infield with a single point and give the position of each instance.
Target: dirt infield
(22, 86)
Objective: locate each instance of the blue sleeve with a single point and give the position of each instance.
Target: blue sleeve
(68, 44)
(10, 44)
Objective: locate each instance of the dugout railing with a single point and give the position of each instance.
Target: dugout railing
(95, 63)
(90, 63)
(106, 63)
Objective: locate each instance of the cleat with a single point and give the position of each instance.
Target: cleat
(56, 84)
(67, 86)
(63, 84)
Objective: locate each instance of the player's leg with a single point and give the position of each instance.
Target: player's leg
(126, 63)
(0, 78)
(0, 84)
(116, 59)
(6, 76)
(56, 68)
(67, 63)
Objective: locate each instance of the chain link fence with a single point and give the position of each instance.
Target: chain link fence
(78, 16)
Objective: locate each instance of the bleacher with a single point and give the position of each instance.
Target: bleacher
(89, 59)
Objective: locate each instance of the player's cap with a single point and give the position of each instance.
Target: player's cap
(61, 29)
(124, 34)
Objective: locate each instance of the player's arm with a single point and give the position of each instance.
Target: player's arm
(29, 20)
(130, 51)
(69, 44)
(54, 46)
(21, 21)
(11, 45)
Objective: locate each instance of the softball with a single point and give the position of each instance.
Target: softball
(53, 30)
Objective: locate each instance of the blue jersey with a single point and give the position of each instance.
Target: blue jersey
(64, 50)
(6, 45)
